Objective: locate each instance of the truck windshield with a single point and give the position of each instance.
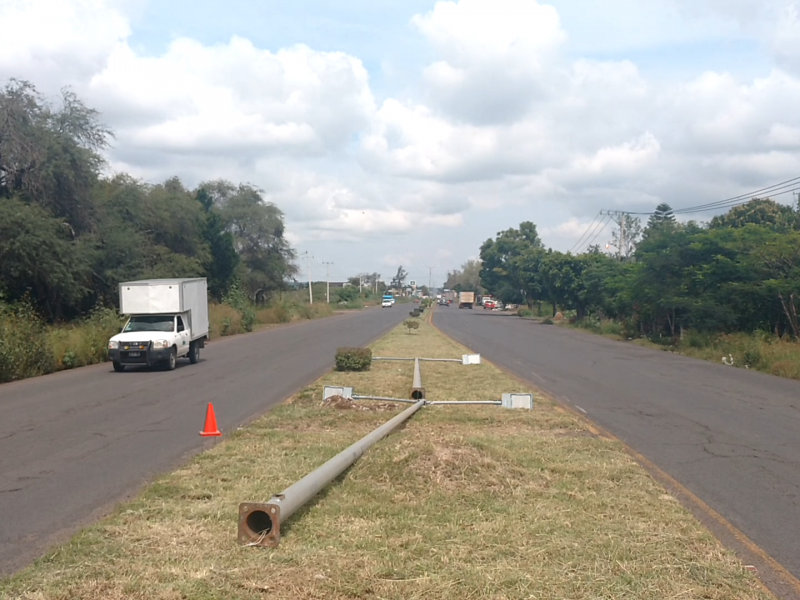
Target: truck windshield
(150, 323)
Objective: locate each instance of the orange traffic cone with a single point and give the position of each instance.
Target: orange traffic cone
(210, 428)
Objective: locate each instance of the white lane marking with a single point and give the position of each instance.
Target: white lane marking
(580, 409)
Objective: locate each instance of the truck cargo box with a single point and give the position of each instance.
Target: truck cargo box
(168, 296)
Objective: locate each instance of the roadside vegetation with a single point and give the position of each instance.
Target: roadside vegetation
(70, 234)
(462, 502)
(730, 287)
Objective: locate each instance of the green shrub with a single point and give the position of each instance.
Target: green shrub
(411, 324)
(547, 321)
(24, 347)
(347, 293)
(274, 314)
(353, 359)
(752, 356)
(698, 339)
(237, 298)
(524, 312)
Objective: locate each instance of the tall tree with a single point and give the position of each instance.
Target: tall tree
(399, 280)
(758, 211)
(662, 216)
(501, 257)
(468, 276)
(222, 261)
(258, 233)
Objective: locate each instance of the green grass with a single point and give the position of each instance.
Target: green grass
(462, 502)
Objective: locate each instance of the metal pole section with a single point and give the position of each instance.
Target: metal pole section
(496, 402)
(260, 524)
(458, 360)
(417, 391)
(310, 294)
(382, 398)
(328, 280)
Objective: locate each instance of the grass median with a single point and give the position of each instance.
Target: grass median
(462, 502)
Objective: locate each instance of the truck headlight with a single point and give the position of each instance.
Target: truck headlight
(113, 345)
(160, 344)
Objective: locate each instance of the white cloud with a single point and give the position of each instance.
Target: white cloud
(494, 56)
(506, 121)
(58, 42)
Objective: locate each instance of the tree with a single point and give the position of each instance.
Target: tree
(758, 211)
(468, 277)
(626, 239)
(50, 156)
(662, 217)
(258, 235)
(40, 260)
(501, 260)
(399, 280)
(222, 261)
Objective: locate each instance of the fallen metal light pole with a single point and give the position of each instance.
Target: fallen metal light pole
(495, 402)
(417, 391)
(260, 523)
(383, 398)
(455, 360)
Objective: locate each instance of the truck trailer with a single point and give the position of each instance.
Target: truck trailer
(167, 320)
(466, 299)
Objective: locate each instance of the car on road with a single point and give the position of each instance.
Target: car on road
(489, 305)
(443, 302)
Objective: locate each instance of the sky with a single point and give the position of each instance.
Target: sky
(407, 132)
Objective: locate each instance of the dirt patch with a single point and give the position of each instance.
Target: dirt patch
(342, 403)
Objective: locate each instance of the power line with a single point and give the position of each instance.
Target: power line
(595, 231)
(778, 189)
(601, 230)
(585, 232)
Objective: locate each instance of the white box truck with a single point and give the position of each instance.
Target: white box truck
(167, 319)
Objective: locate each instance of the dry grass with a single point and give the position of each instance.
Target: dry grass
(463, 502)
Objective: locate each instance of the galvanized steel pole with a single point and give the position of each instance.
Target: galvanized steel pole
(260, 524)
(417, 391)
(384, 398)
(495, 402)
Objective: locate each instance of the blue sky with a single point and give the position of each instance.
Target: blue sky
(407, 132)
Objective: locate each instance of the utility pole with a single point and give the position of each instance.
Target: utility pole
(430, 279)
(310, 294)
(328, 288)
(618, 217)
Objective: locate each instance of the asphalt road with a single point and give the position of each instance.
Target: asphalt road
(75, 443)
(730, 436)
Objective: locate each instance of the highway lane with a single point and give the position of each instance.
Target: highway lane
(731, 436)
(73, 444)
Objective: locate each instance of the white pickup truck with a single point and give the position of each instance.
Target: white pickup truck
(168, 319)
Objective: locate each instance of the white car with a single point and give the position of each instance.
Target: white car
(386, 302)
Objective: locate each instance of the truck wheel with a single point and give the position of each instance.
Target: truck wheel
(194, 352)
(172, 361)
(119, 367)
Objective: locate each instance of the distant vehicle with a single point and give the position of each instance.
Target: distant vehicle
(388, 300)
(489, 305)
(168, 319)
(466, 299)
(443, 302)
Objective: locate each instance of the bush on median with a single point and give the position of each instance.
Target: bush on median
(353, 359)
